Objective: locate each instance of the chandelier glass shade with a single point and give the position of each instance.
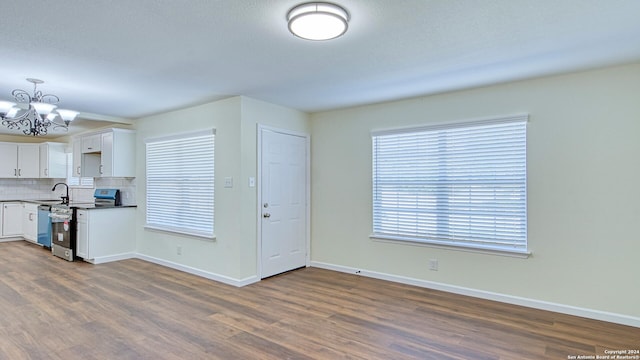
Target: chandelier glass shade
(318, 21)
(40, 115)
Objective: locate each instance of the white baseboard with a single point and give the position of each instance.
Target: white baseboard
(11, 239)
(509, 299)
(106, 259)
(205, 274)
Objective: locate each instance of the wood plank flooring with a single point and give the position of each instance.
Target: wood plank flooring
(53, 309)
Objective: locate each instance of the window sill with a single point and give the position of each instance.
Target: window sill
(522, 254)
(181, 232)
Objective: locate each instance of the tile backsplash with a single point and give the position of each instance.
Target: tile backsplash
(29, 189)
(40, 189)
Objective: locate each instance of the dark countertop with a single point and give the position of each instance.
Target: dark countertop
(92, 206)
(83, 205)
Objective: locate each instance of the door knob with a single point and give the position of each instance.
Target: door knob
(266, 215)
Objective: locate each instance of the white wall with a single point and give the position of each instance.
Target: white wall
(231, 257)
(583, 191)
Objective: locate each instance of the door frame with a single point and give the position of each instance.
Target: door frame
(307, 137)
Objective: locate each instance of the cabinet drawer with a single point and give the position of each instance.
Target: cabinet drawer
(92, 144)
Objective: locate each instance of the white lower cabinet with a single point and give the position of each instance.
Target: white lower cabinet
(82, 236)
(105, 235)
(11, 219)
(30, 222)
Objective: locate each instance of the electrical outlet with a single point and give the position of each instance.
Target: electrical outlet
(433, 264)
(228, 182)
(179, 250)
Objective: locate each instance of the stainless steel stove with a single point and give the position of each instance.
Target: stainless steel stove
(63, 231)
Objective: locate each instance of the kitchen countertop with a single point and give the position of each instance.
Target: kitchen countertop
(92, 206)
(77, 205)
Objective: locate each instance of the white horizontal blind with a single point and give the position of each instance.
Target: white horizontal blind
(180, 183)
(461, 185)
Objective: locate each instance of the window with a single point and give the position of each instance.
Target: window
(180, 183)
(455, 185)
(82, 182)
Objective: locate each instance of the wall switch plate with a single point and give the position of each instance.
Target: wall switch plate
(433, 264)
(228, 182)
(179, 250)
(252, 182)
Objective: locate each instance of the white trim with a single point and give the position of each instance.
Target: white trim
(174, 231)
(180, 135)
(453, 124)
(488, 295)
(205, 274)
(111, 258)
(307, 138)
(12, 238)
(398, 240)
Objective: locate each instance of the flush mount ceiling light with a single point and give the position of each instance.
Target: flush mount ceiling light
(318, 21)
(40, 113)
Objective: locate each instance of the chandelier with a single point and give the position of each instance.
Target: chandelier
(41, 113)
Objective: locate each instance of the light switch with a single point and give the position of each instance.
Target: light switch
(228, 182)
(252, 182)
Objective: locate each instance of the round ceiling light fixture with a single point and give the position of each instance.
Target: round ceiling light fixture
(318, 21)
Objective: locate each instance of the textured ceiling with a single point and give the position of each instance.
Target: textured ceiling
(135, 58)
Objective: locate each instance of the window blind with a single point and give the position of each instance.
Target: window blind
(461, 185)
(180, 183)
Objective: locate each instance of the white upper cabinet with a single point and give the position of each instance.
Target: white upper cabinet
(19, 160)
(53, 160)
(115, 157)
(9, 163)
(28, 160)
(77, 157)
(91, 143)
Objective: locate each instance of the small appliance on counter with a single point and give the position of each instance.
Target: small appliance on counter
(107, 197)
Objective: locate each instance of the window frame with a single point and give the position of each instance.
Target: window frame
(518, 250)
(175, 204)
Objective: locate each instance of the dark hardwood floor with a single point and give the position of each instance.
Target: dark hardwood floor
(53, 309)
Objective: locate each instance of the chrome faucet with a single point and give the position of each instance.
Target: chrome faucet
(65, 199)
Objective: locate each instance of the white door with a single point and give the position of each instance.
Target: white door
(284, 196)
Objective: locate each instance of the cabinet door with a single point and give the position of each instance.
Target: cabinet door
(123, 149)
(9, 156)
(53, 161)
(30, 222)
(29, 161)
(44, 160)
(11, 219)
(106, 159)
(82, 236)
(77, 157)
(91, 143)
